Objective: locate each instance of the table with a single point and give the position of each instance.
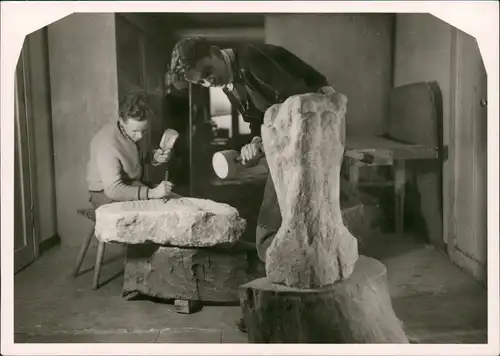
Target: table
(365, 150)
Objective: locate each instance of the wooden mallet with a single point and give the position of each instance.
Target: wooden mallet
(167, 143)
(225, 163)
(228, 163)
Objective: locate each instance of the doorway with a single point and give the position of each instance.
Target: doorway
(468, 243)
(24, 237)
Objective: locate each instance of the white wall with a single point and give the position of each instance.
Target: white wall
(41, 120)
(426, 50)
(82, 54)
(352, 50)
(423, 53)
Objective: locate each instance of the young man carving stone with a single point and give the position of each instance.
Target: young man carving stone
(116, 166)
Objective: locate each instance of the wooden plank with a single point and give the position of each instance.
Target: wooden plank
(89, 213)
(449, 179)
(467, 218)
(380, 146)
(370, 157)
(399, 193)
(413, 115)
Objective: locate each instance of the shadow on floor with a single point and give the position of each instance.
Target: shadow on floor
(436, 301)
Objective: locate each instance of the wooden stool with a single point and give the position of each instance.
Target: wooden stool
(90, 214)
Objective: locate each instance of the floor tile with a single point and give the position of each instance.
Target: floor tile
(131, 338)
(21, 338)
(465, 337)
(234, 337)
(436, 301)
(51, 339)
(205, 336)
(143, 337)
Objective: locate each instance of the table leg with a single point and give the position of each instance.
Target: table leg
(399, 193)
(353, 173)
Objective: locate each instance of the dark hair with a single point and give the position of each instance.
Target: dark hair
(187, 52)
(135, 105)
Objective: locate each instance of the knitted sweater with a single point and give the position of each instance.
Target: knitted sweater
(115, 165)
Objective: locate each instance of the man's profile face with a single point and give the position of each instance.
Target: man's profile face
(135, 128)
(208, 72)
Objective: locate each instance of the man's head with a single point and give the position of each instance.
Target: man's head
(197, 61)
(134, 114)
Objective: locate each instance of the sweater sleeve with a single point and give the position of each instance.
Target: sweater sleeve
(110, 171)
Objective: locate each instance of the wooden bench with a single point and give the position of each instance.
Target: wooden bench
(365, 151)
(415, 116)
(89, 213)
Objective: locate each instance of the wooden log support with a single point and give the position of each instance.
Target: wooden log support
(205, 274)
(355, 310)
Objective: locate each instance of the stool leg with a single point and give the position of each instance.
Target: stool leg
(98, 264)
(399, 187)
(83, 252)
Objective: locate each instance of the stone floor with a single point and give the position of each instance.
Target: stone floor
(436, 301)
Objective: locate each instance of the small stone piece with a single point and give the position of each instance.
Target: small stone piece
(181, 222)
(187, 306)
(303, 143)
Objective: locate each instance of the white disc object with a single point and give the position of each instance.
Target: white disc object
(224, 163)
(220, 165)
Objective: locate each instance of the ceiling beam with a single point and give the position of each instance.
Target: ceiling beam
(249, 34)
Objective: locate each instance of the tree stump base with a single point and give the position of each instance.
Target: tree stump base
(355, 310)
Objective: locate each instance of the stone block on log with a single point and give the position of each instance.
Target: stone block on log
(355, 310)
(206, 274)
(302, 139)
(179, 221)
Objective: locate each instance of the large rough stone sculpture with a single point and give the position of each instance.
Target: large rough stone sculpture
(317, 290)
(303, 143)
(180, 222)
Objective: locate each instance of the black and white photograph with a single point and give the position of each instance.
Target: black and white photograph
(270, 175)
